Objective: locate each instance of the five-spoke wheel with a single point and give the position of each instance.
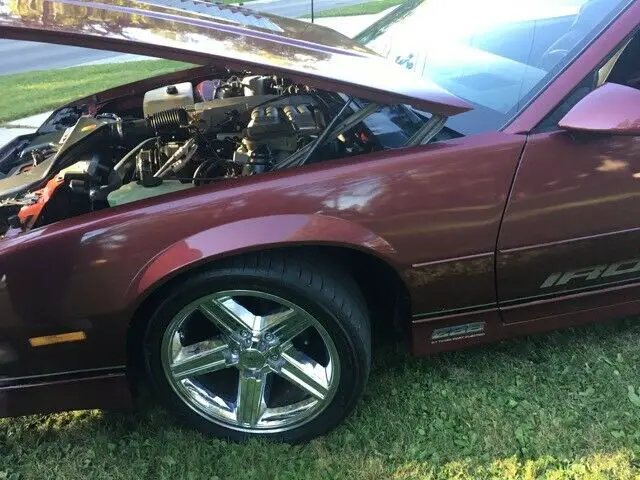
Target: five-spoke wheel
(276, 349)
(260, 336)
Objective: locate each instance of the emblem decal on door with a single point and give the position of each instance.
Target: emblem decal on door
(589, 274)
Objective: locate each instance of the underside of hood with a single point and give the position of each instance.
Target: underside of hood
(206, 33)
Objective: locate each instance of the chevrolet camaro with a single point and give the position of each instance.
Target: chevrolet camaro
(233, 234)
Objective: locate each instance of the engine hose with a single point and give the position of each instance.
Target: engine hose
(168, 120)
(180, 163)
(203, 170)
(184, 150)
(130, 156)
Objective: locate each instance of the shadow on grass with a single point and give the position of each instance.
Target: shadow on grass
(562, 402)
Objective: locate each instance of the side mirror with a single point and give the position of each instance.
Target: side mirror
(609, 109)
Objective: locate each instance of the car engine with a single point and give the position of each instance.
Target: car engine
(178, 137)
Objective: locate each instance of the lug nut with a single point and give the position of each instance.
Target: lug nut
(244, 334)
(268, 337)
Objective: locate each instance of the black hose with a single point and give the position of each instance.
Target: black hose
(204, 168)
(129, 156)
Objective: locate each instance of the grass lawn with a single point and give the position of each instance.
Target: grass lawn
(36, 92)
(365, 8)
(560, 406)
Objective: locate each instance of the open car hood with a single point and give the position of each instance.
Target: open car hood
(206, 33)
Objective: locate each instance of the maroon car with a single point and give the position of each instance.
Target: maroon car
(232, 234)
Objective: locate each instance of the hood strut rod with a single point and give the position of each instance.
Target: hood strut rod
(426, 132)
(303, 155)
(325, 133)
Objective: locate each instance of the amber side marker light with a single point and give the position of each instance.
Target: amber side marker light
(61, 338)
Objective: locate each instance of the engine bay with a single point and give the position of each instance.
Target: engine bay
(189, 135)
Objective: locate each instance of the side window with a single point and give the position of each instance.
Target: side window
(622, 66)
(626, 70)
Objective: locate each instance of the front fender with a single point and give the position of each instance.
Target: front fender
(255, 234)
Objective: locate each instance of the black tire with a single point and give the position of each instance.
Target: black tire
(322, 289)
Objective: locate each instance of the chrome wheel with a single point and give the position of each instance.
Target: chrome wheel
(250, 361)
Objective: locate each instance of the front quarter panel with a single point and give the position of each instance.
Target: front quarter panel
(257, 233)
(415, 209)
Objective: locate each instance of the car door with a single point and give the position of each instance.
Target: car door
(569, 246)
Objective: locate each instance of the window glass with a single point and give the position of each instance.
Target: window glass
(621, 66)
(496, 54)
(626, 67)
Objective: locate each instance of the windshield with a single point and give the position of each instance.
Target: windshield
(496, 54)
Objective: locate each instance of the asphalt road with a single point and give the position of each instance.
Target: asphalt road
(20, 56)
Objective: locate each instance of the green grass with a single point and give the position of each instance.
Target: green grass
(560, 406)
(36, 92)
(366, 8)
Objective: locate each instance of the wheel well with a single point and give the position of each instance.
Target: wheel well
(385, 292)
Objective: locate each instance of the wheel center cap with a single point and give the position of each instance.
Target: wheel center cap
(252, 358)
